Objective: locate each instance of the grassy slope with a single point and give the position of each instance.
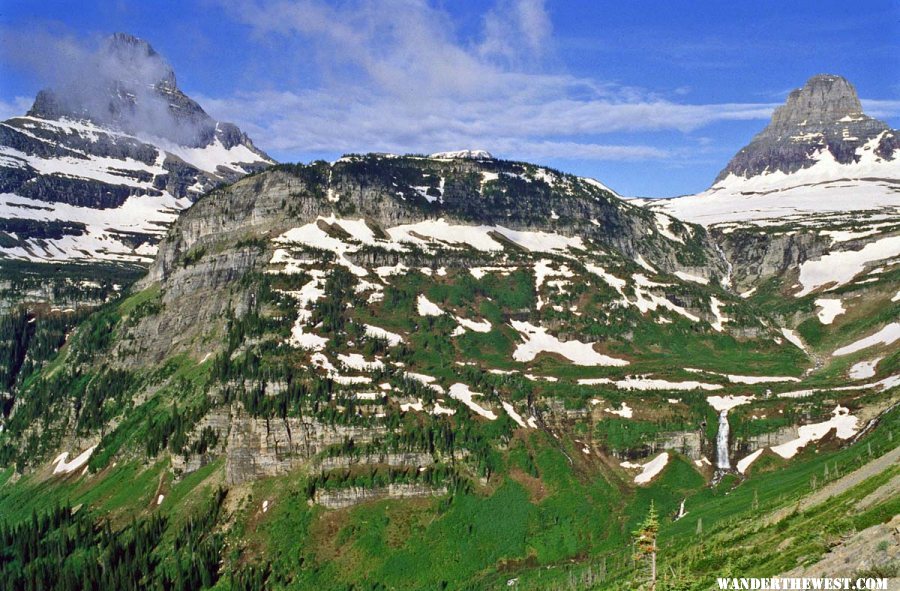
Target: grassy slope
(575, 519)
(572, 519)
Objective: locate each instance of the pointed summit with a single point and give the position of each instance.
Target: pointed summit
(106, 158)
(138, 56)
(819, 153)
(128, 87)
(821, 122)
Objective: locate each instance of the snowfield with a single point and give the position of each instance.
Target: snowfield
(745, 462)
(863, 369)
(142, 212)
(650, 470)
(648, 383)
(829, 310)
(359, 363)
(428, 235)
(840, 267)
(793, 338)
(426, 380)
(720, 403)
(462, 393)
(375, 332)
(886, 336)
(820, 188)
(843, 422)
(625, 412)
(515, 416)
(538, 341)
(427, 308)
(760, 379)
(64, 467)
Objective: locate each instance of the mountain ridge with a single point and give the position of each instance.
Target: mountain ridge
(453, 372)
(113, 160)
(825, 115)
(819, 155)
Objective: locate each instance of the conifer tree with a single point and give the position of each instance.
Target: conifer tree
(645, 542)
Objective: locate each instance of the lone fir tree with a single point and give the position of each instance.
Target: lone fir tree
(645, 542)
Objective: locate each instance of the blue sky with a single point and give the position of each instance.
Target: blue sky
(652, 98)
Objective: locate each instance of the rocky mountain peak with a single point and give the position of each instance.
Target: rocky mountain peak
(824, 99)
(134, 53)
(108, 155)
(819, 123)
(127, 86)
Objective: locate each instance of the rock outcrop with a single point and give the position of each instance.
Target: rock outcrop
(823, 119)
(347, 497)
(269, 447)
(98, 170)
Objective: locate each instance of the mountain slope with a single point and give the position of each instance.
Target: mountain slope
(820, 154)
(450, 371)
(97, 170)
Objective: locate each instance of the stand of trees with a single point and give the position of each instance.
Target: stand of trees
(67, 550)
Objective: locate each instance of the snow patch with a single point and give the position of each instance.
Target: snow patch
(720, 403)
(688, 277)
(840, 267)
(462, 393)
(715, 306)
(64, 467)
(359, 363)
(649, 470)
(794, 338)
(392, 338)
(864, 369)
(511, 411)
(625, 411)
(829, 310)
(745, 462)
(663, 222)
(427, 308)
(842, 421)
(886, 336)
(537, 341)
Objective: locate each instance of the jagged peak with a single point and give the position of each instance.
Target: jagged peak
(125, 42)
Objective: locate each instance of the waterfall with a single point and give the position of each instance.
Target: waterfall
(722, 462)
(728, 265)
(680, 510)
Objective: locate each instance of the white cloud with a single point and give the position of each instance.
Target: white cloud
(17, 107)
(881, 108)
(516, 28)
(395, 75)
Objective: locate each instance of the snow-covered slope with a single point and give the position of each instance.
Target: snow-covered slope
(100, 173)
(827, 186)
(469, 154)
(819, 154)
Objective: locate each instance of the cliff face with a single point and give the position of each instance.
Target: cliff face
(823, 117)
(247, 273)
(390, 191)
(99, 167)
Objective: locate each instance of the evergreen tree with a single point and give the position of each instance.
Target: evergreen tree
(645, 542)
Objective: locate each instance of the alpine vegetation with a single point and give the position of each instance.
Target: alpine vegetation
(437, 371)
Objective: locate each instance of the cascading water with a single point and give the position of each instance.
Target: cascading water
(722, 461)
